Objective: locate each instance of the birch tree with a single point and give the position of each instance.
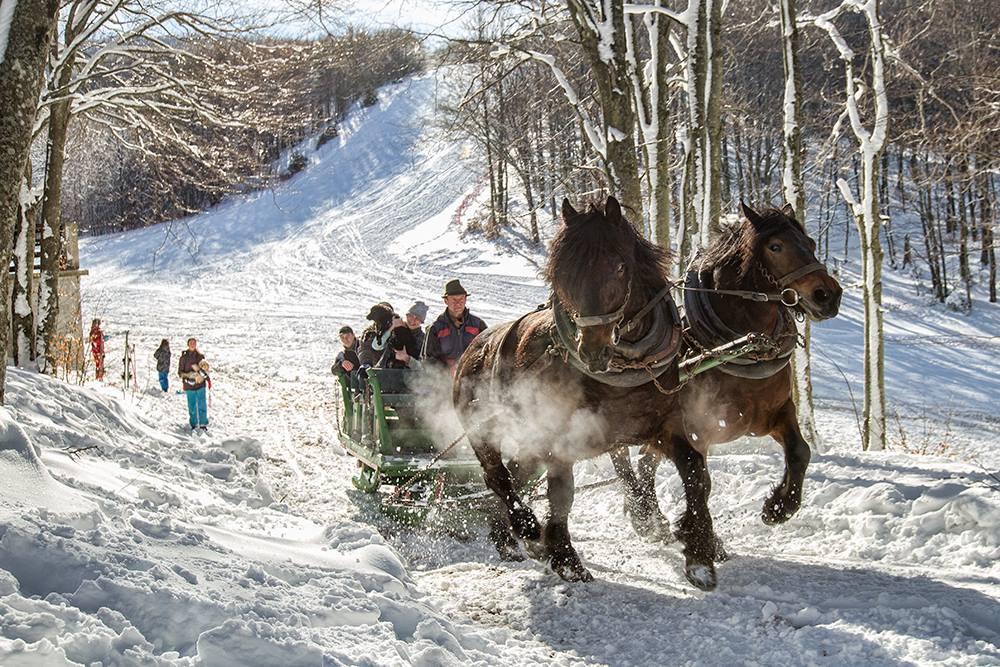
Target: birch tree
(793, 192)
(866, 211)
(26, 28)
(701, 189)
(651, 92)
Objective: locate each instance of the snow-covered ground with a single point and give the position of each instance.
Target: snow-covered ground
(247, 546)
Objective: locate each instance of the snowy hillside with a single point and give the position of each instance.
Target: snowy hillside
(247, 546)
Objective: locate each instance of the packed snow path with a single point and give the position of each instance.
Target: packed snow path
(893, 558)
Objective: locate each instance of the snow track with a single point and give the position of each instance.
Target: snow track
(892, 560)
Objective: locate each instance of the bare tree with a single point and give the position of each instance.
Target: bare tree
(24, 44)
(793, 191)
(866, 213)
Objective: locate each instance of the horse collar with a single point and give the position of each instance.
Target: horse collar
(632, 364)
(710, 331)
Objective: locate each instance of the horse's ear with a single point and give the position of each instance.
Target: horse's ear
(790, 213)
(568, 212)
(750, 214)
(613, 210)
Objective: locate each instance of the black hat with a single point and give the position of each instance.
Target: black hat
(454, 288)
(346, 329)
(380, 311)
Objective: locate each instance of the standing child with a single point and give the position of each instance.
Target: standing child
(97, 348)
(162, 356)
(193, 370)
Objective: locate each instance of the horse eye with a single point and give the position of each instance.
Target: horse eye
(775, 247)
(621, 269)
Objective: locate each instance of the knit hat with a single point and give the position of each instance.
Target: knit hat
(345, 330)
(419, 310)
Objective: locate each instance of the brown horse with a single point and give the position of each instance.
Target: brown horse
(565, 382)
(769, 252)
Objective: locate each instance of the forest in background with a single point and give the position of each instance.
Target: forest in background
(267, 94)
(940, 160)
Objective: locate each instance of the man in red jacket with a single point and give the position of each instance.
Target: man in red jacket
(453, 330)
(97, 348)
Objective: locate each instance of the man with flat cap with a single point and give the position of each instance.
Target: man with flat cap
(453, 330)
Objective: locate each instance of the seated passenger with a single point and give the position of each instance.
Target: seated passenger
(453, 330)
(401, 350)
(415, 317)
(374, 337)
(347, 363)
(343, 363)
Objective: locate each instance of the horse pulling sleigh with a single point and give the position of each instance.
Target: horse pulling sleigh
(609, 363)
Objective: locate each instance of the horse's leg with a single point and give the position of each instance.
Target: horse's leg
(695, 529)
(562, 556)
(499, 480)
(787, 496)
(640, 494)
(500, 533)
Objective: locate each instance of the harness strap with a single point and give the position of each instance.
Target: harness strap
(598, 320)
(645, 310)
(788, 278)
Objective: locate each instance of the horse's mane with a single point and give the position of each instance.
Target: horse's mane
(738, 245)
(588, 237)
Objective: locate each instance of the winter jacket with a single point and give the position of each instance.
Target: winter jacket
(399, 339)
(97, 342)
(193, 379)
(446, 342)
(162, 356)
(419, 336)
(372, 344)
(348, 354)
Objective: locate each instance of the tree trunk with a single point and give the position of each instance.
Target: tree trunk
(986, 215)
(874, 367)
(22, 316)
(21, 69)
(609, 67)
(793, 191)
(52, 237)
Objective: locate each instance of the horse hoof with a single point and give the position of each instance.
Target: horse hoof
(569, 568)
(775, 512)
(655, 528)
(701, 575)
(509, 551)
(525, 524)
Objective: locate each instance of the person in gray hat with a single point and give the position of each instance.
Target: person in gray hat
(453, 330)
(415, 317)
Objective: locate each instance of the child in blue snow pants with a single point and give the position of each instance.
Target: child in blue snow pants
(165, 380)
(197, 407)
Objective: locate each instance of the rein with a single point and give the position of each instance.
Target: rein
(788, 297)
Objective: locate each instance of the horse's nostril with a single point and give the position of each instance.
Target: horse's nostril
(821, 296)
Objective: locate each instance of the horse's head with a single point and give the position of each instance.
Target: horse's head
(786, 256)
(593, 264)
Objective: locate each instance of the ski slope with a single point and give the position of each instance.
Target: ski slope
(247, 546)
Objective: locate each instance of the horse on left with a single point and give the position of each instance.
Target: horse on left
(569, 381)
